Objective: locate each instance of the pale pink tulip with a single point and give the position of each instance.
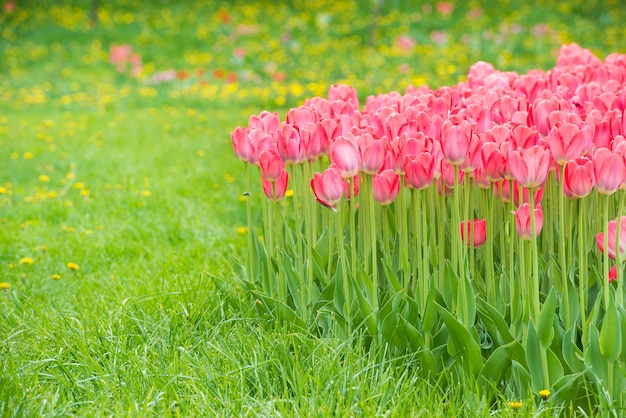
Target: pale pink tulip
(385, 186)
(523, 221)
(609, 171)
(276, 189)
(419, 170)
(328, 187)
(612, 237)
(345, 155)
(578, 178)
(271, 165)
(567, 142)
(530, 167)
(455, 141)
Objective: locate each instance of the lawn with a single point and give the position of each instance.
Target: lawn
(121, 199)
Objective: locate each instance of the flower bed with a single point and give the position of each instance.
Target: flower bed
(461, 225)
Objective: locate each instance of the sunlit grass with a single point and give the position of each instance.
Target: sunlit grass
(120, 196)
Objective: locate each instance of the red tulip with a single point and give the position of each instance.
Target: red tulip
(530, 167)
(609, 171)
(612, 274)
(578, 178)
(272, 166)
(567, 142)
(345, 155)
(276, 189)
(385, 186)
(478, 227)
(419, 170)
(612, 228)
(328, 187)
(523, 221)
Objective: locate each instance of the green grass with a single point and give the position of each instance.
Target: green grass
(139, 328)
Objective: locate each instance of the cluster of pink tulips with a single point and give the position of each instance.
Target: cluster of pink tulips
(419, 181)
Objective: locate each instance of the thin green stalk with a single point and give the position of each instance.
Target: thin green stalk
(582, 271)
(533, 241)
(351, 220)
(562, 260)
(401, 228)
(442, 212)
(374, 249)
(251, 273)
(618, 253)
(278, 222)
(489, 282)
(416, 227)
(605, 275)
(347, 309)
(456, 221)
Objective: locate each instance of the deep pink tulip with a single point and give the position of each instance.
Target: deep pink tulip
(455, 141)
(385, 186)
(612, 228)
(530, 167)
(502, 190)
(276, 189)
(523, 221)
(578, 178)
(345, 155)
(492, 161)
(419, 170)
(328, 187)
(345, 93)
(609, 171)
(524, 137)
(242, 145)
(271, 164)
(479, 228)
(612, 274)
(265, 121)
(447, 174)
(568, 142)
(290, 146)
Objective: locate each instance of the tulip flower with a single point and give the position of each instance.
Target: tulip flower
(276, 189)
(613, 274)
(455, 141)
(567, 142)
(345, 155)
(609, 171)
(372, 153)
(271, 164)
(530, 167)
(419, 170)
(328, 187)
(290, 146)
(385, 186)
(478, 227)
(578, 178)
(612, 228)
(523, 221)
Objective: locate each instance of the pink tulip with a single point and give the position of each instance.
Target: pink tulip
(272, 166)
(344, 93)
(455, 141)
(290, 146)
(276, 189)
(612, 228)
(578, 178)
(530, 167)
(492, 161)
(419, 170)
(385, 186)
(242, 145)
(537, 193)
(265, 121)
(328, 187)
(372, 153)
(609, 171)
(478, 227)
(523, 221)
(612, 274)
(347, 193)
(447, 174)
(567, 142)
(345, 155)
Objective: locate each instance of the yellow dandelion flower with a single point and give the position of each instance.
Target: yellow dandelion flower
(5, 285)
(544, 393)
(242, 230)
(79, 186)
(229, 178)
(70, 176)
(515, 405)
(242, 198)
(72, 266)
(84, 193)
(28, 261)
(29, 155)
(44, 178)
(2, 190)
(51, 194)
(145, 193)
(56, 276)
(289, 193)
(200, 153)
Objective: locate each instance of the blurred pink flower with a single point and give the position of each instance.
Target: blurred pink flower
(444, 7)
(404, 43)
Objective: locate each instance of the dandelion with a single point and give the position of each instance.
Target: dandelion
(515, 405)
(5, 286)
(544, 393)
(27, 261)
(56, 276)
(43, 178)
(242, 230)
(72, 266)
(289, 193)
(84, 193)
(29, 155)
(145, 193)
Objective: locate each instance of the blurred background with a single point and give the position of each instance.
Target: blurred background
(107, 54)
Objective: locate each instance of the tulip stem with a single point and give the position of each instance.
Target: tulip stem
(605, 275)
(374, 248)
(618, 250)
(347, 308)
(582, 271)
(535, 256)
(489, 285)
(562, 260)
(251, 275)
